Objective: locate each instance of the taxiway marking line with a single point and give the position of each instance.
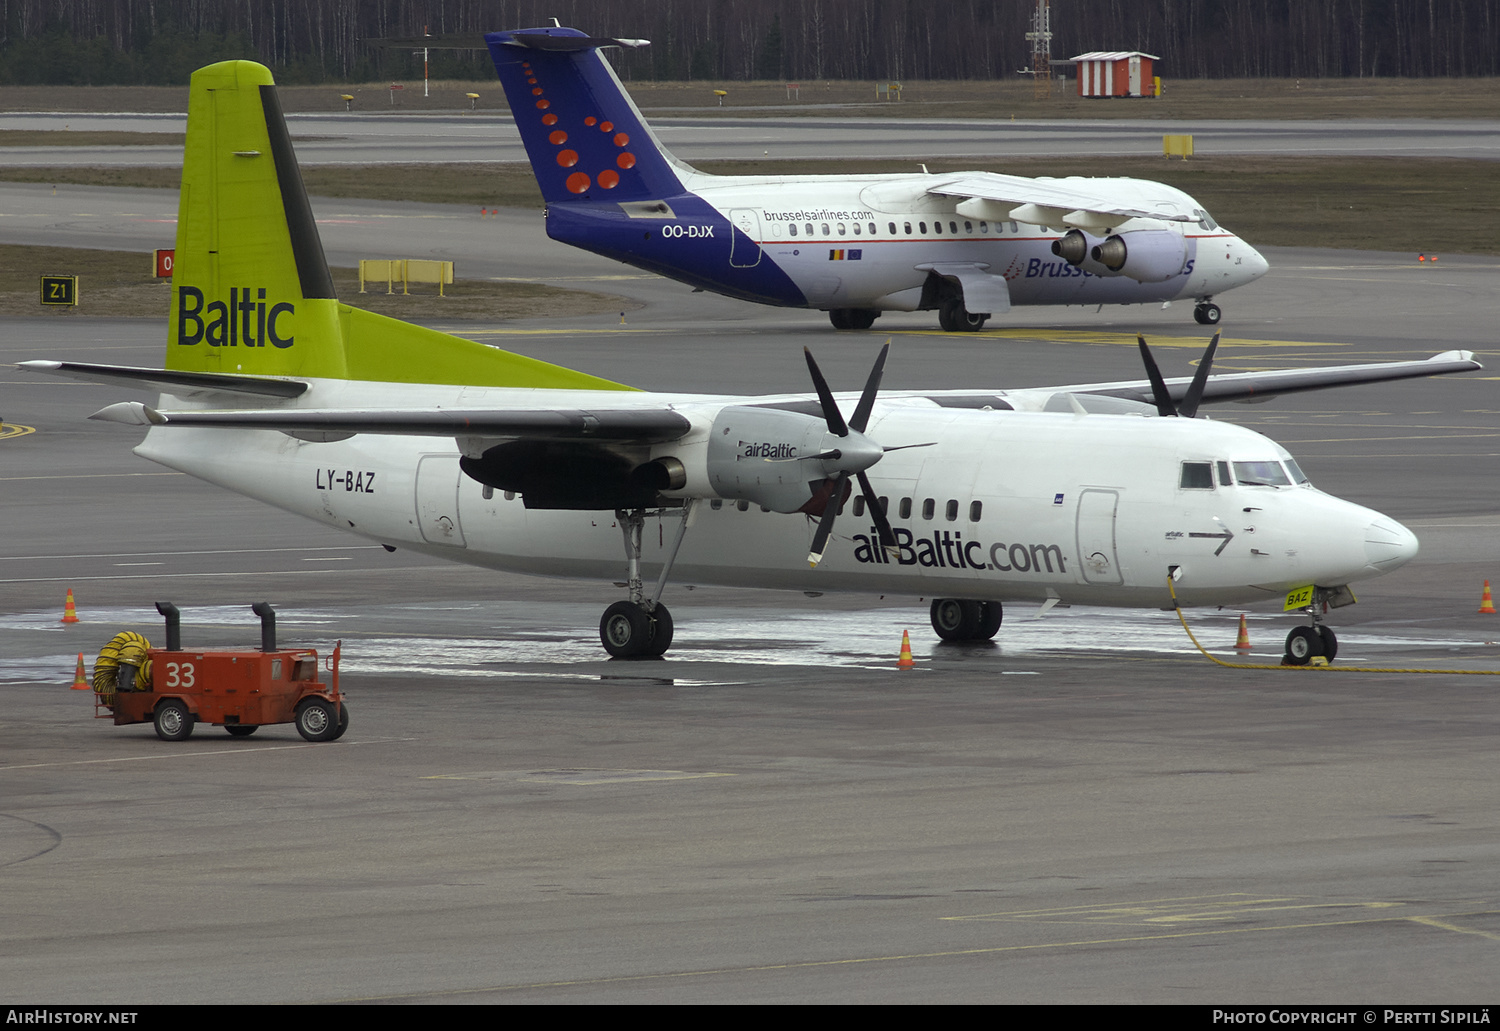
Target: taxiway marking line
(900, 957)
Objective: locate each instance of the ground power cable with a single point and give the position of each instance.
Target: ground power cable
(1325, 668)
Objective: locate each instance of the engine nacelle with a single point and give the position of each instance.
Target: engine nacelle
(1076, 247)
(762, 455)
(1145, 255)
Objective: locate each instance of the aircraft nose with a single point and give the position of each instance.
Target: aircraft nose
(1389, 545)
(1254, 264)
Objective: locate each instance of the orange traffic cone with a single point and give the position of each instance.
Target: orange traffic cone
(905, 662)
(1242, 644)
(1486, 603)
(70, 614)
(80, 682)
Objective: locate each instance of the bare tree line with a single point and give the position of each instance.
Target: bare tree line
(105, 41)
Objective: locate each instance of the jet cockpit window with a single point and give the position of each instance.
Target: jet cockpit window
(1204, 219)
(1298, 476)
(1261, 474)
(1197, 476)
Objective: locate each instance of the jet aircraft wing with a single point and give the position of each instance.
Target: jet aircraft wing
(1062, 196)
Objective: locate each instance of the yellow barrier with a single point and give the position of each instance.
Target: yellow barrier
(405, 271)
(1177, 145)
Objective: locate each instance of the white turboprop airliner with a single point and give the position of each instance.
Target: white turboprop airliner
(1093, 493)
(966, 244)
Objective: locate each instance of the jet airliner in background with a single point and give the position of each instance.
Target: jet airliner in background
(1094, 493)
(966, 244)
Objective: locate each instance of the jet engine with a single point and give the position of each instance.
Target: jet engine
(1145, 255)
(1076, 247)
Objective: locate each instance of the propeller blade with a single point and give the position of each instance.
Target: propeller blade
(825, 525)
(877, 513)
(1159, 392)
(831, 414)
(903, 447)
(867, 399)
(1200, 380)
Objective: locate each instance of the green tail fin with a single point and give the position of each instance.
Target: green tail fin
(251, 290)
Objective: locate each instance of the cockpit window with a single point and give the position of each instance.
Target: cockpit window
(1205, 219)
(1197, 476)
(1298, 476)
(1261, 474)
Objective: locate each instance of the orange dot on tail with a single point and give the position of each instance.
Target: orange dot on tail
(549, 119)
(621, 139)
(609, 179)
(558, 138)
(578, 182)
(567, 158)
(536, 91)
(542, 105)
(626, 160)
(606, 126)
(590, 120)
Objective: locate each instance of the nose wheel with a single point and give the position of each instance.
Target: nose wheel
(1206, 313)
(1306, 643)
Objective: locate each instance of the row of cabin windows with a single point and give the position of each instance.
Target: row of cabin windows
(1200, 475)
(904, 507)
(937, 228)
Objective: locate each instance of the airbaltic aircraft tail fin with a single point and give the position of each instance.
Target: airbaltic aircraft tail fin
(584, 135)
(251, 289)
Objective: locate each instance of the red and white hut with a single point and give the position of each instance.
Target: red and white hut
(1116, 73)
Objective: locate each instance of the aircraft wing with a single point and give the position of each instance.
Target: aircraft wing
(1251, 387)
(635, 425)
(180, 384)
(1063, 196)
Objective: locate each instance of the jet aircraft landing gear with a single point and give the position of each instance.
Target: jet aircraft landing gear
(853, 318)
(958, 619)
(1207, 313)
(641, 628)
(955, 318)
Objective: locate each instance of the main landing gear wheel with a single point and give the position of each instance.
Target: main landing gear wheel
(174, 722)
(628, 631)
(1207, 314)
(956, 619)
(853, 318)
(954, 318)
(1306, 643)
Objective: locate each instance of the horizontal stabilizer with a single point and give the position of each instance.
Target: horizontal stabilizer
(538, 39)
(640, 426)
(179, 384)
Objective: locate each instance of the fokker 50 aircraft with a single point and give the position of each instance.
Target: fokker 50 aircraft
(968, 244)
(417, 439)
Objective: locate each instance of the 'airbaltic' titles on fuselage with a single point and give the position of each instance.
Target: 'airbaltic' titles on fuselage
(242, 321)
(946, 549)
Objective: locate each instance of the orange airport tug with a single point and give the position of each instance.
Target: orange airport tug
(238, 690)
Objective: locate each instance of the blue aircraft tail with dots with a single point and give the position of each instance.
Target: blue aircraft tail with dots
(585, 137)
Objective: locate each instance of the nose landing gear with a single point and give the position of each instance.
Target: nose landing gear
(1316, 641)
